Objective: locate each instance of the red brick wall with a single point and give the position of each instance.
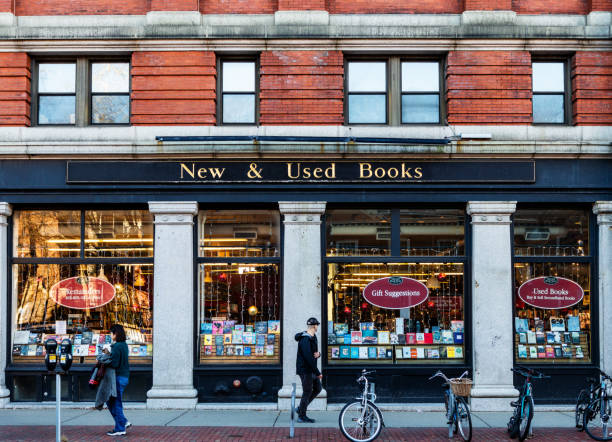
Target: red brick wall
(489, 87)
(14, 89)
(395, 7)
(301, 5)
(301, 87)
(80, 7)
(551, 6)
(592, 88)
(173, 5)
(6, 6)
(173, 88)
(601, 5)
(238, 6)
(488, 5)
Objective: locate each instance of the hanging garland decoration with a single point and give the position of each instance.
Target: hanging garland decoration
(242, 295)
(276, 294)
(261, 295)
(267, 270)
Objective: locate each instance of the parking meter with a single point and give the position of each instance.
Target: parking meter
(51, 356)
(65, 355)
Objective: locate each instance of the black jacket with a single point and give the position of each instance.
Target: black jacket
(307, 346)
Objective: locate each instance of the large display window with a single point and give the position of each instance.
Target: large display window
(552, 274)
(239, 287)
(427, 259)
(77, 272)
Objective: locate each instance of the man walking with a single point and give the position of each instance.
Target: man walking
(306, 367)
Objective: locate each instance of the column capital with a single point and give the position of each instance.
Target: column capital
(491, 212)
(173, 212)
(603, 210)
(6, 209)
(302, 212)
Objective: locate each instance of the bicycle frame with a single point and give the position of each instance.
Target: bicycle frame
(527, 390)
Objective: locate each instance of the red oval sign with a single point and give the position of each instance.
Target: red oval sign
(395, 292)
(550, 292)
(82, 292)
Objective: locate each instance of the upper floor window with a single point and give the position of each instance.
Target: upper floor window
(549, 92)
(238, 92)
(393, 91)
(81, 92)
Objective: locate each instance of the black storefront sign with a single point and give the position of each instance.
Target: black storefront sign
(224, 171)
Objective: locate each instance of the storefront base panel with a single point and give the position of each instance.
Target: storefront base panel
(392, 385)
(36, 385)
(563, 386)
(256, 385)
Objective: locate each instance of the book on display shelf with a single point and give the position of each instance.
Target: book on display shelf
(414, 354)
(550, 338)
(541, 351)
(435, 353)
(443, 352)
(345, 351)
(227, 338)
(239, 350)
(458, 337)
(369, 333)
(393, 338)
(363, 326)
(249, 328)
(557, 324)
(356, 337)
(87, 337)
(399, 326)
(558, 337)
(261, 327)
(239, 327)
(437, 336)
(575, 337)
(457, 326)
(550, 351)
(339, 339)
(228, 326)
(274, 326)
(229, 350)
(567, 337)
(370, 340)
(406, 352)
(331, 339)
(573, 324)
(447, 337)
(236, 337)
(533, 352)
(208, 339)
(218, 339)
(247, 350)
(408, 338)
(383, 337)
(208, 350)
(260, 339)
(420, 338)
(354, 352)
(428, 338)
(579, 353)
(450, 352)
(566, 350)
(259, 350)
(531, 337)
(420, 353)
(341, 328)
(521, 325)
(399, 353)
(540, 338)
(372, 353)
(78, 339)
(217, 327)
(363, 353)
(21, 337)
(459, 352)
(335, 352)
(539, 325)
(523, 338)
(248, 337)
(558, 352)
(16, 350)
(271, 339)
(382, 353)
(522, 351)
(330, 327)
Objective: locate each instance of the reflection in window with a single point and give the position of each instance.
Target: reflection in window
(420, 92)
(238, 91)
(44, 299)
(239, 233)
(367, 92)
(56, 93)
(358, 232)
(545, 336)
(551, 233)
(110, 87)
(118, 233)
(432, 232)
(240, 313)
(47, 234)
(548, 92)
(431, 332)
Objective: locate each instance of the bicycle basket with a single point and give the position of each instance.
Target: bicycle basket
(461, 386)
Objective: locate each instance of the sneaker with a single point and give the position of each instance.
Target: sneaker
(309, 419)
(116, 433)
(128, 424)
(303, 420)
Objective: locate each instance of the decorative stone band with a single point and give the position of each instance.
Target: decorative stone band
(491, 212)
(302, 212)
(173, 212)
(5, 211)
(603, 210)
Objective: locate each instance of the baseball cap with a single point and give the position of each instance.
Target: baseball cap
(312, 321)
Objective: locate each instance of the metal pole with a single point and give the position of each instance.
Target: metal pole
(58, 405)
(292, 427)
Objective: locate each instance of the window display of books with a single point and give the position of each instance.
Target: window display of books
(86, 344)
(224, 341)
(387, 346)
(559, 339)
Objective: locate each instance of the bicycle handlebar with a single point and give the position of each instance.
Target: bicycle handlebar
(529, 372)
(603, 373)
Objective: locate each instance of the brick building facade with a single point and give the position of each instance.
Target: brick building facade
(462, 139)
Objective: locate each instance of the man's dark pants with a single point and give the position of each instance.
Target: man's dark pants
(311, 387)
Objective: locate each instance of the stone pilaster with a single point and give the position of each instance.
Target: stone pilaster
(603, 210)
(173, 339)
(492, 304)
(301, 288)
(5, 328)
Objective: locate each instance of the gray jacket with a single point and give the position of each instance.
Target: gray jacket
(108, 384)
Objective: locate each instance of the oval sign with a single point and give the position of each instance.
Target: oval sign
(550, 292)
(82, 292)
(395, 292)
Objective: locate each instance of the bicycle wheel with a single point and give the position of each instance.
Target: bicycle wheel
(359, 425)
(525, 418)
(463, 419)
(597, 423)
(581, 403)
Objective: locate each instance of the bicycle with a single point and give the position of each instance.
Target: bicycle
(520, 422)
(360, 420)
(596, 418)
(457, 410)
(585, 397)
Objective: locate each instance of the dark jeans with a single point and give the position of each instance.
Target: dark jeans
(311, 387)
(115, 404)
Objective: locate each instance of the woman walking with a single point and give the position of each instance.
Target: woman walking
(119, 361)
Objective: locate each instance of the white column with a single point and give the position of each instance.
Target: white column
(492, 305)
(5, 327)
(301, 288)
(173, 306)
(603, 210)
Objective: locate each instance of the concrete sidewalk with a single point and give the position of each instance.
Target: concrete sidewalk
(142, 417)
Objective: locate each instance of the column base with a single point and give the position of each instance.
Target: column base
(172, 398)
(493, 397)
(284, 399)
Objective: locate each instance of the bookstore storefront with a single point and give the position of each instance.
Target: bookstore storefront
(212, 278)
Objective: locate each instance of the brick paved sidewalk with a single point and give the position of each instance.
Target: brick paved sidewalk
(236, 434)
